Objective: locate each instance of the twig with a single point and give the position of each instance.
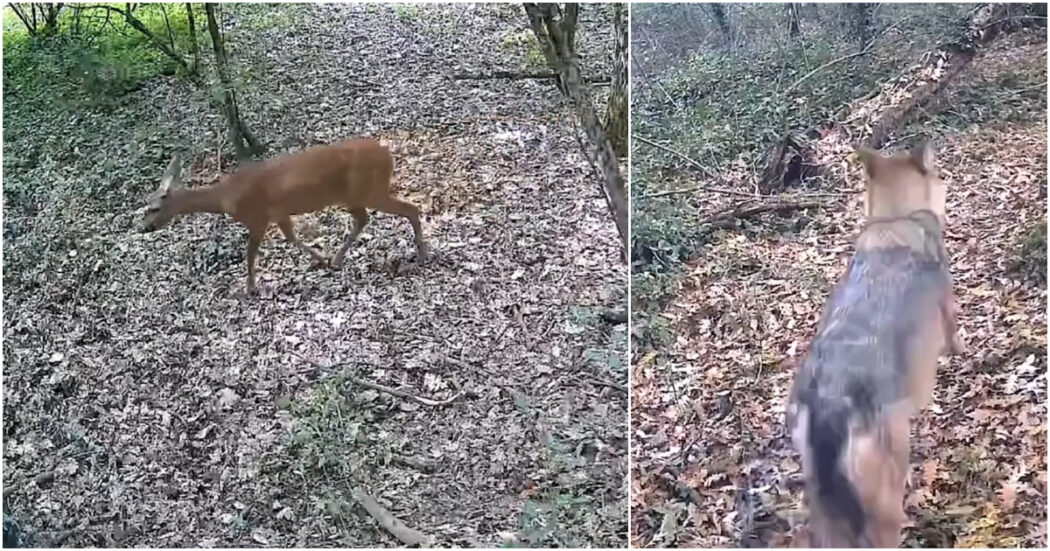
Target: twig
(678, 154)
(610, 385)
(379, 387)
(418, 463)
(523, 75)
(541, 335)
(696, 188)
(728, 218)
(458, 363)
(390, 523)
(649, 82)
(1013, 18)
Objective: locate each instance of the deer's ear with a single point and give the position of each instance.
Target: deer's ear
(173, 175)
(869, 158)
(923, 156)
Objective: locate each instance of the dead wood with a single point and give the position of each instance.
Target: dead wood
(790, 162)
(938, 68)
(404, 533)
(525, 75)
(870, 120)
(375, 386)
(728, 218)
(797, 170)
(419, 463)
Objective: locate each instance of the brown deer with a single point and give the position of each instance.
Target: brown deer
(354, 174)
(873, 362)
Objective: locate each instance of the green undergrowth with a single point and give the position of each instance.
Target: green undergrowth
(95, 58)
(731, 108)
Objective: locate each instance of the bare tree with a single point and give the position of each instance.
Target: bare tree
(555, 30)
(862, 21)
(718, 12)
(793, 20)
(48, 11)
(128, 13)
(616, 111)
(194, 49)
(243, 140)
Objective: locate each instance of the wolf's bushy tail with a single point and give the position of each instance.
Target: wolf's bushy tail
(828, 436)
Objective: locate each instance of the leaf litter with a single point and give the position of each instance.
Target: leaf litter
(147, 404)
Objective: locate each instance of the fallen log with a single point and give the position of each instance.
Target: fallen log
(872, 119)
(525, 75)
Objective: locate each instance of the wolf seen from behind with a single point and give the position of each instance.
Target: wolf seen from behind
(872, 364)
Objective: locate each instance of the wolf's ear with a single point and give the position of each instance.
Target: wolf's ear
(923, 156)
(869, 158)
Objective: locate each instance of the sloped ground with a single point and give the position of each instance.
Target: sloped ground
(712, 465)
(147, 404)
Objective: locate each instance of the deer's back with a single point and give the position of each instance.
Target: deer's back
(353, 174)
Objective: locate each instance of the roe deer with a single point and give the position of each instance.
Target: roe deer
(873, 361)
(354, 174)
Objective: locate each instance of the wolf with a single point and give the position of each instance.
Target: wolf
(872, 363)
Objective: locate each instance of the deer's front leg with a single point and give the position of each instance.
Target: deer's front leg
(254, 240)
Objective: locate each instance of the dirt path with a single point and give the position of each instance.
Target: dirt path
(712, 464)
(146, 404)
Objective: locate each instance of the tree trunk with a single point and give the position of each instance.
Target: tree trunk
(793, 24)
(29, 23)
(718, 11)
(555, 30)
(194, 49)
(244, 141)
(616, 112)
(862, 21)
(51, 18)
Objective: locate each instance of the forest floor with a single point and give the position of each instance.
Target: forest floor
(146, 403)
(712, 465)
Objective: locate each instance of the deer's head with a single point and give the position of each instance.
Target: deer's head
(160, 206)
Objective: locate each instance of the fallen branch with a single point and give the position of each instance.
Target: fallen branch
(390, 523)
(727, 219)
(378, 387)
(418, 463)
(828, 195)
(523, 75)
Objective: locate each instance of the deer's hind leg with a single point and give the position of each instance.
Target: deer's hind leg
(407, 210)
(360, 221)
(289, 233)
